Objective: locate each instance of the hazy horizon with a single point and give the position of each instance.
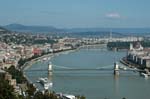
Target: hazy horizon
(72, 27)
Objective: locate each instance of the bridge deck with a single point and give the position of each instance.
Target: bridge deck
(82, 69)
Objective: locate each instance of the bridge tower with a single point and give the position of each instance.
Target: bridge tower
(50, 68)
(116, 69)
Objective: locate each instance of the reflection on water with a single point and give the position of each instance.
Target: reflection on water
(116, 85)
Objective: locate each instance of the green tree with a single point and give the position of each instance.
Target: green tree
(16, 74)
(6, 90)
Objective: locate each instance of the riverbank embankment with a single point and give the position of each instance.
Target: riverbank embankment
(132, 65)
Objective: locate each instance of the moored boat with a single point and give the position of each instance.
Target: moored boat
(46, 84)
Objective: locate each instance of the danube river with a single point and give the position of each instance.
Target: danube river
(92, 84)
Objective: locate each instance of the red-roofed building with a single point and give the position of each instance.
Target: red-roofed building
(37, 51)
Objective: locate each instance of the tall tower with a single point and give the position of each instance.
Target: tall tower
(110, 35)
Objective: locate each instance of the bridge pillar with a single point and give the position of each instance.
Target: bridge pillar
(50, 69)
(116, 69)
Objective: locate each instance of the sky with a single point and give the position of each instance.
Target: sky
(76, 13)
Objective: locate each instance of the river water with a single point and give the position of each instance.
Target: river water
(92, 84)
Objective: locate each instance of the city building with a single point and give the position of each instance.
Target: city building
(139, 55)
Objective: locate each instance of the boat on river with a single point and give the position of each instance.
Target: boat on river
(144, 75)
(46, 84)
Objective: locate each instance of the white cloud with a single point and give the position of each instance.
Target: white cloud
(113, 15)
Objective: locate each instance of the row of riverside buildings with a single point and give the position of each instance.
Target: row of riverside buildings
(11, 54)
(139, 55)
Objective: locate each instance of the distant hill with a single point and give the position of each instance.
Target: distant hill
(118, 30)
(79, 31)
(2, 30)
(24, 28)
